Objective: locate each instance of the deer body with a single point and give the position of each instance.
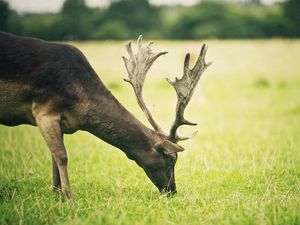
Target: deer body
(53, 86)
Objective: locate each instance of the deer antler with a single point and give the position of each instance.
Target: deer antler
(184, 88)
(137, 67)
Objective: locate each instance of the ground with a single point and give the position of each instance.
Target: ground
(243, 167)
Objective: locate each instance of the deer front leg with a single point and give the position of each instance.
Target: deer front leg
(56, 185)
(49, 125)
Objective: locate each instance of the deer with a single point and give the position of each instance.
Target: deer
(52, 86)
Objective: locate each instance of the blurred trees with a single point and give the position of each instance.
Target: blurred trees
(128, 18)
(292, 17)
(212, 19)
(124, 19)
(4, 13)
(75, 21)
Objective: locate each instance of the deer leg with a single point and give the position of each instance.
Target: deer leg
(49, 126)
(56, 177)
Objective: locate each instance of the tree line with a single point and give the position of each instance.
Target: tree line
(124, 19)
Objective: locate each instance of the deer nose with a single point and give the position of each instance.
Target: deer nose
(169, 191)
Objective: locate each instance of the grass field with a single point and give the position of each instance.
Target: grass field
(243, 167)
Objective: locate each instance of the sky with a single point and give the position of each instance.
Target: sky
(55, 5)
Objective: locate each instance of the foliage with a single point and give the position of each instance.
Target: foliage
(211, 19)
(4, 13)
(134, 17)
(292, 16)
(74, 21)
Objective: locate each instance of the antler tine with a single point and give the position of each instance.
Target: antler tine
(184, 88)
(201, 59)
(137, 66)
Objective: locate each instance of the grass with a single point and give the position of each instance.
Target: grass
(243, 167)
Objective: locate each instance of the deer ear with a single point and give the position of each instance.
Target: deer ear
(168, 147)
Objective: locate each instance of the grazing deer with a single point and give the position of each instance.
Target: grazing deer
(52, 86)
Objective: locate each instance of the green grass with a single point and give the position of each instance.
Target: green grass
(243, 167)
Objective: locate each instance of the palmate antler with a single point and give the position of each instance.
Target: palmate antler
(184, 88)
(137, 67)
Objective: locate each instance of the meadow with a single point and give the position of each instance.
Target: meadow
(243, 166)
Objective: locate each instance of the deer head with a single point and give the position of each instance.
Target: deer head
(159, 163)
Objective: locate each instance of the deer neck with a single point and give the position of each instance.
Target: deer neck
(110, 121)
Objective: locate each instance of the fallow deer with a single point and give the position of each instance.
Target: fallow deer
(53, 86)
